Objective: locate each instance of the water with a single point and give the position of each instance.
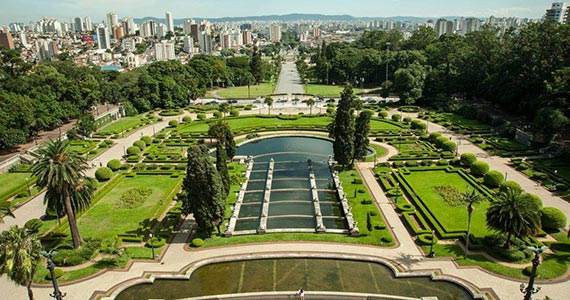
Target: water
(291, 208)
(291, 273)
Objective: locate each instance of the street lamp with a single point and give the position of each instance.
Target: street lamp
(431, 253)
(529, 290)
(387, 50)
(51, 267)
(151, 245)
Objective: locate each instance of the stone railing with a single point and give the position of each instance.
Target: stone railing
(266, 197)
(318, 215)
(241, 194)
(352, 224)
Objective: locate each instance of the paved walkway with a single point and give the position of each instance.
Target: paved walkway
(289, 80)
(406, 255)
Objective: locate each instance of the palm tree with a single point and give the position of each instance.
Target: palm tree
(224, 108)
(61, 172)
(269, 102)
(514, 214)
(20, 256)
(310, 104)
(5, 210)
(470, 197)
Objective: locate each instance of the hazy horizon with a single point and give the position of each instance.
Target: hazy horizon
(33, 10)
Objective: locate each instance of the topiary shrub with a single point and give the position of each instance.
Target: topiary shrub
(58, 273)
(114, 164)
(234, 112)
(442, 162)
(155, 242)
(201, 117)
(383, 114)
(173, 123)
(552, 218)
(417, 124)
(479, 168)
(509, 184)
(440, 141)
(396, 117)
(493, 178)
(147, 140)
(133, 150)
(187, 119)
(426, 239)
(407, 120)
(449, 146)
(403, 206)
(197, 242)
(140, 144)
(561, 187)
(539, 176)
(433, 136)
(103, 174)
(218, 115)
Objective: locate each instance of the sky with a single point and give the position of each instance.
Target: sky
(32, 10)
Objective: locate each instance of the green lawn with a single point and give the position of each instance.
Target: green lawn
(328, 90)
(262, 89)
(255, 122)
(380, 151)
(452, 218)
(105, 219)
(123, 124)
(376, 124)
(11, 184)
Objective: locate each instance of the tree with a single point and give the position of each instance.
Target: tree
(343, 128)
(409, 83)
(224, 108)
(514, 214)
(255, 65)
(361, 140)
(61, 171)
(223, 133)
(20, 256)
(86, 124)
(230, 144)
(5, 210)
(204, 190)
(310, 104)
(548, 122)
(469, 197)
(269, 102)
(222, 167)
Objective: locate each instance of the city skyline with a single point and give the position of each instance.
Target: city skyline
(31, 10)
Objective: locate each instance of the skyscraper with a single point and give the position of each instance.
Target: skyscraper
(187, 26)
(169, 22)
(78, 24)
(6, 39)
(557, 12)
(205, 42)
(88, 24)
(103, 38)
(188, 44)
(275, 33)
(112, 20)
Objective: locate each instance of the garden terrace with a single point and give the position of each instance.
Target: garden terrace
(501, 146)
(241, 92)
(447, 218)
(552, 172)
(14, 187)
(456, 123)
(170, 151)
(124, 126)
(417, 150)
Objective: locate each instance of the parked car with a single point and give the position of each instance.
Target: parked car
(232, 101)
(331, 100)
(214, 102)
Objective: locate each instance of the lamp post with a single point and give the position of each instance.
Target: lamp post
(51, 267)
(28, 186)
(387, 50)
(151, 245)
(431, 253)
(529, 290)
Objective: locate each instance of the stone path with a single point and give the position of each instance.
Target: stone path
(289, 80)
(406, 255)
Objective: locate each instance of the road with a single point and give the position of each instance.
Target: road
(289, 80)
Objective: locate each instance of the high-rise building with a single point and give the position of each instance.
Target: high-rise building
(23, 40)
(226, 40)
(112, 20)
(246, 37)
(558, 12)
(6, 39)
(78, 25)
(187, 27)
(441, 27)
(131, 27)
(169, 22)
(275, 33)
(195, 31)
(161, 30)
(164, 50)
(103, 37)
(205, 42)
(246, 26)
(472, 24)
(129, 44)
(46, 50)
(88, 24)
(188, 44)
(118, 32)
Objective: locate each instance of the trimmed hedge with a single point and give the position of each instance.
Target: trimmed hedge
(197, 242)
(509, 184)
(479, 168)
(493, 178)
(103, 174)
(114, 164)
(396, 117)
(552, 218)
(147, 140)
(426, 239)
(58, 273)
(155, 242)
(187, 119)
(173, 123)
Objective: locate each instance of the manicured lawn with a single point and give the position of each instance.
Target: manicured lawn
(380, 151)
(452, 218)
(328, 90)
(262, 89)
(254, 122)
(376, 124)
(106, 219)
(459, 120)
(12, 183)
(123, 124)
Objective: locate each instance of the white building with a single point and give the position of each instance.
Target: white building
(205, 42)
(275, 33)
(187, 26)
(46, 49)
(112, 20)
(103, 37)
(129, 44)
(88, 24)
(188, 44)
(558, 12)
(164, 50)
(169, 22)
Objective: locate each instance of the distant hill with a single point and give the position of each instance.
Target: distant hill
(295, 17)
